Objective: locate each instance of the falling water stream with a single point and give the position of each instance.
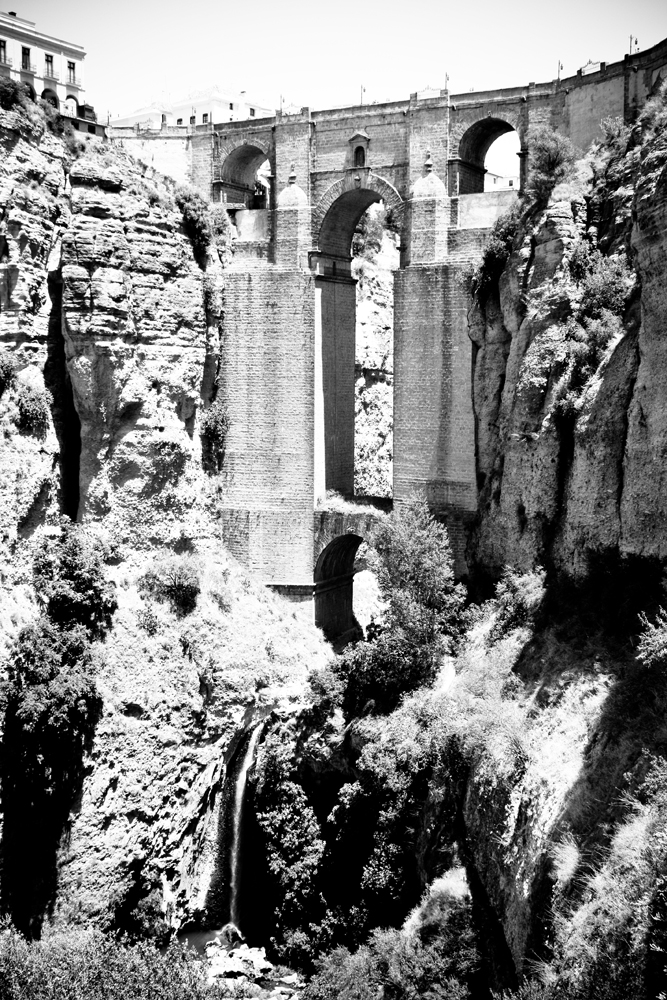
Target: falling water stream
(239, 795)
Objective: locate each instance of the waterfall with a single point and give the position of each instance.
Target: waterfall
(239, 795)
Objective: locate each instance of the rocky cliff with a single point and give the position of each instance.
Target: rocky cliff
(568, 385)
(111, 298)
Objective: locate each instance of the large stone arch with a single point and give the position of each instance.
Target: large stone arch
(470, 140)
(237, 165)
(333, 578)
(341, 206)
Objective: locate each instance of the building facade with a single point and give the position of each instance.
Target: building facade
(205, 107)
(49, 67)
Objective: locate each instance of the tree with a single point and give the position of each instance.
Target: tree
(423, 615)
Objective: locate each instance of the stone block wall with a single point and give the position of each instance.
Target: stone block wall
(267, 377)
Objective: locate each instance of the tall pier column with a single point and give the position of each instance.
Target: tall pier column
(434, 442)
(267, 375)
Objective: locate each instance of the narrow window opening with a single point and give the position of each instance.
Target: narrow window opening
(25, 58)
(360, 157)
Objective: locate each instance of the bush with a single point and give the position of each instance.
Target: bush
(652, 647)
(497, 252)
(34, 414)
(552, 159)
(88, 965)
(605, 281)
(69, 578)
(196, 222)
(441, 962)
(174, 579)
(11, 93)
(7, 371)
(51, 709)
(214, 429)
(423, 617)
(518, 600)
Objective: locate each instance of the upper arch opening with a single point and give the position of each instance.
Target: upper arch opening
(473, 148)
(341, 220)
(242, 179)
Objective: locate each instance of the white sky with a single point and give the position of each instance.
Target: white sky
(320, 55)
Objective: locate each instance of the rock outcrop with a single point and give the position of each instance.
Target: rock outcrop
(570, 460)
(111, 320)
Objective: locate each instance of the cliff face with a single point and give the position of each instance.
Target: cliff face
(110, 319)
(570, 454)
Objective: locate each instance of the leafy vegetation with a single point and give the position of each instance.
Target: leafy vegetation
(11, 93)
(33, 411)
(480, 279)
(7, 371)
(87, 965)
(552, 160)
(174, 579)
(196, 221)
(51, 707)
(69, 578)
(422, 619)
(214, 429)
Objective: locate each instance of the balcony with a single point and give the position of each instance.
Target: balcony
(51, 74)
(5, 61)
(72, 80)
(28, 67)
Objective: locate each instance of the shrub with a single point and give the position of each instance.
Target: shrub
(51, 709)
(441, 963)
(518, 600)
(7, 371)
(88, 965)
(479, 280)
(214, 429)
(34, 413)
(175, 579)
(196, 222)
(552, 159)
(652, 647)
(293, 849)
(11, 93)
(423, 617)
(69, 577)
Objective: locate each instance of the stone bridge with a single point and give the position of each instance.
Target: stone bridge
(287, 363)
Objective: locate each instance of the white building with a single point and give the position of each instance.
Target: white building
(49, 67)
(205, 107)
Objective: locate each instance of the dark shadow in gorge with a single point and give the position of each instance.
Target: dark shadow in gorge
(65, 418)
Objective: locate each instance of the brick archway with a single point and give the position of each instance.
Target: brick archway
(238, 163)
(341, 206)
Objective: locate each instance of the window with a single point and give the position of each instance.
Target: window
(204, 119)
(3, 51)
(48, 66)
(360, 157)
(231, 107)
(252, 112)
(192, 119)
(179, 121)
(25, 58)
(71, 72)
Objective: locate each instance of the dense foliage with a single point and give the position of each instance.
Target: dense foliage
(214, 428)
(87, 965)
(51, 707)
(175, 579)
(422, 618)
(552, 160)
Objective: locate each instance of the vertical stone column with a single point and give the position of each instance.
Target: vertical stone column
(433, 421)
(268, 380)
